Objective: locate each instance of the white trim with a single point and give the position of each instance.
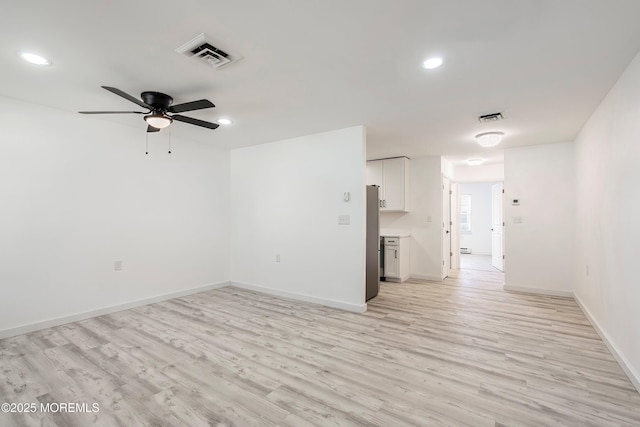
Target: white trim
(525, 290)
(301, 297)
(430, 278)
(398, 280)
(626, 367)
(36, 326)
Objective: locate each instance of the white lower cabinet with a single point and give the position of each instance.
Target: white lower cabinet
(391, 262)
(396, 259)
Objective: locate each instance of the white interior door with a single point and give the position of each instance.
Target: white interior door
(446, 226)
(497, 226)
(455, 226)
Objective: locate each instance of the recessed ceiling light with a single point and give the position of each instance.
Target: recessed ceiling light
(489, 139)
(224, 121)
(432, 63)
(32, 58)
(475, 162)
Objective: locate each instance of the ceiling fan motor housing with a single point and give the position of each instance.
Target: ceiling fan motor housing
(158, 100)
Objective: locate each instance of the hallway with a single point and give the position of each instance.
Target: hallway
(476, 271)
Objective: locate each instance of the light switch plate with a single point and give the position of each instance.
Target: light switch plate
(344, 220)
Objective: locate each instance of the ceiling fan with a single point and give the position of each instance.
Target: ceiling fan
(159, 106)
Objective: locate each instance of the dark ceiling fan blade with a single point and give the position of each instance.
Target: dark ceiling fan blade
(127, 96)
(152, 129)
(191, 106)
(196, 122)
(113, 112)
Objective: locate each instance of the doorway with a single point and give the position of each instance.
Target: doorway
(480, 226)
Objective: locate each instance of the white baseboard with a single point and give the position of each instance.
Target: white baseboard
(525, 290)
(430, 278)
(397, 280)
(356, 308)
(633, 377)
(50, 323)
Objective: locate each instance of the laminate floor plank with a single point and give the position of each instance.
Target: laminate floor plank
(461, 352)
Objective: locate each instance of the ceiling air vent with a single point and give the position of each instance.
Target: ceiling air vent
(488, 118)
(199, 48)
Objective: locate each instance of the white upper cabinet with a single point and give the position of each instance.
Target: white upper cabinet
(394, 184)
(374, 174)
(392, 176)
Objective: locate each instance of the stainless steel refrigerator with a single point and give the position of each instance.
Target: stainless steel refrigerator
(373, 242)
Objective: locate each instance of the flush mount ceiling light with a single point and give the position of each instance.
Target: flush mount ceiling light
(475, 162)
(432, 63)
(32, 58)
(224, 121)
(489, 139)
(158, 120)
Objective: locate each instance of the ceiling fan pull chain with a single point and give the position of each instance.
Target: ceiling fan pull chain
(169, 140)
(147, 143)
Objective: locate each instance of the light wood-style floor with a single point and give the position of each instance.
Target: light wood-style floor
(477, 262)
(462, 352)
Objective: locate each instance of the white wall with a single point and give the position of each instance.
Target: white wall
(424, 220)
(539, 251)
(480, 173)
(286, 197)
(479, 240)
(447, 168)
(608, 220)
(78, 193)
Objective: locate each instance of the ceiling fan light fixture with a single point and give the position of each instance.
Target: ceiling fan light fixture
(224, 121)
(158, 120)
(489, 139)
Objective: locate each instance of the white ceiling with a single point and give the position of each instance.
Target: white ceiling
(312, 66)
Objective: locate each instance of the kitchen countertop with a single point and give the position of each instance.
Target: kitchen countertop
(387, 232)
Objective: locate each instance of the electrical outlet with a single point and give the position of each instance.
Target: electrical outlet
(277, 257)
(117, 265)
(517, 220)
